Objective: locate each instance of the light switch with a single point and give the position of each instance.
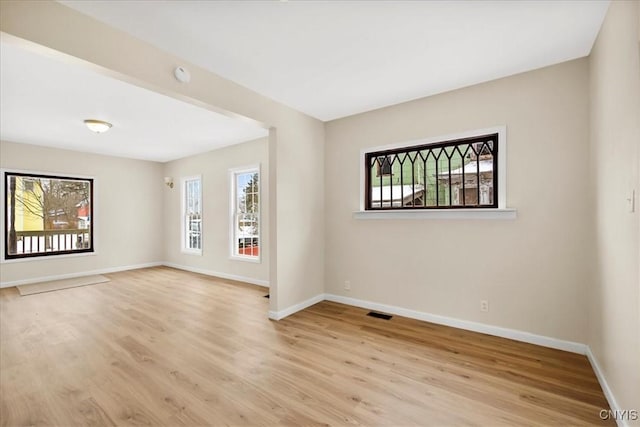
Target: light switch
(631, 200)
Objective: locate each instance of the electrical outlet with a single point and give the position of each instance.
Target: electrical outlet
(484, 305)
(347, 285)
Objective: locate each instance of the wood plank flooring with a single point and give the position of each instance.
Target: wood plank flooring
(165, 347)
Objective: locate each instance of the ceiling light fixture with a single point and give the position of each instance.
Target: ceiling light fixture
(97, 126)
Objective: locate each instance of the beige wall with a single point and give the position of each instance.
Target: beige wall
(297, 263)
(614, 309)
(128, 226)
(532, 269)
(214, 168)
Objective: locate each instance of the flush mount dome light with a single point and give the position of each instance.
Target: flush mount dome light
(97, 126)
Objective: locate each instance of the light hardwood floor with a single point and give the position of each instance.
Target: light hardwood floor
(165, 347)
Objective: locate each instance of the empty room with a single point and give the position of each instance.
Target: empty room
(320, 213)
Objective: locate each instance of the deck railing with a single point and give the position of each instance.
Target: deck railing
(43, 241)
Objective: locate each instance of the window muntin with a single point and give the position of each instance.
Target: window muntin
(192, 215)
(383, 166)
(459, 173)
(245, 214)
(47, 215)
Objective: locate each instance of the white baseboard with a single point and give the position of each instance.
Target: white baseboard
(279, 315)
(613, 404)
(78, 274)
(513, 334)
(264, 283)
(498, 331)
(259, 282)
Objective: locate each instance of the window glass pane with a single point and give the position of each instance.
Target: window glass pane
(193, 214)
(449, 174)
(246, 226)
(47, 215)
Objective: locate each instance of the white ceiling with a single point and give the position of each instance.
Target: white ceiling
(44, 101)
(331, 59)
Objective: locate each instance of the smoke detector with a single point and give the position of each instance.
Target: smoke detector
(182, 74)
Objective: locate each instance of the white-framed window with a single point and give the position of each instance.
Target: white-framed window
(452, 176)
(191, 223)
(245, 213)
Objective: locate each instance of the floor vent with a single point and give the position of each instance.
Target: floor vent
(266, 296)
(379, 315)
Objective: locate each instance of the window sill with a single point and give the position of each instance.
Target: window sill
(255, 260)
(3, 260)
(504, 213)
(192, 252)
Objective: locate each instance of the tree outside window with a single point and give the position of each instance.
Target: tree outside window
(47, 215)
